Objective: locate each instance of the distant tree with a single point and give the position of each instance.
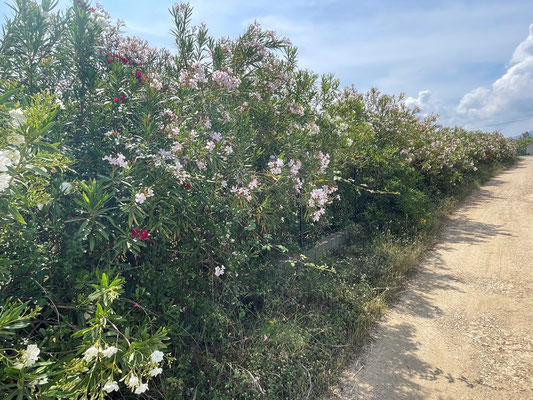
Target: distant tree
(526, 135)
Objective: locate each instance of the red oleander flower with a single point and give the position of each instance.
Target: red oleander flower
(122, 97)
(187, 186)
(135, 232)
(138, 73)
(144, 234)
(124, 59)
(115, 99)
(109, 60)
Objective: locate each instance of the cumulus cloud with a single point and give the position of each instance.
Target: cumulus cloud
(508, 97)
(425, 102)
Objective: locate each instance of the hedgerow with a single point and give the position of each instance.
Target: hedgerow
(147, 197)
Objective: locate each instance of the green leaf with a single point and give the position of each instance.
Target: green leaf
(16, 214)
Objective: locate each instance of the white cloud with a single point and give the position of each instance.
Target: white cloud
(424, 101)
(510, 96)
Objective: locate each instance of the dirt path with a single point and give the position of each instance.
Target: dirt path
(463, 329)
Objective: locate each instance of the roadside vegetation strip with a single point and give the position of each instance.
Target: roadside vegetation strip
(147, 198)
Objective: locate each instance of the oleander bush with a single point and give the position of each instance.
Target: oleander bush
(147, 198)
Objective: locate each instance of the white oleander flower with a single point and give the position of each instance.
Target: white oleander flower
(17, 116)
(4, 182)
(91, 353)
(143, 387)
(28, 357)
(157, 356)
(66, 187)
(111, 386)
(109, 352)
(155, 371)
(15, 139)
(133, 381)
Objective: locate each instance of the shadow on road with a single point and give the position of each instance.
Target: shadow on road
(402, 368)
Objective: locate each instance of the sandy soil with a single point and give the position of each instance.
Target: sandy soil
(463, 328)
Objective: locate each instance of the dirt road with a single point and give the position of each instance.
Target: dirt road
(463, 329)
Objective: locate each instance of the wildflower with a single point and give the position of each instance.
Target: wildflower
(91, 353)
(109, 352)
(111, 386)
(155, 371)
(141, 388)
(219, 270)
(157, 356)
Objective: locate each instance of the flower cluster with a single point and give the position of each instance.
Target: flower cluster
(225, 79)
(142, 196)
(141, 234)
(119, 160)
(28, 357)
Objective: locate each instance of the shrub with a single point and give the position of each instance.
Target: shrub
(184, 176)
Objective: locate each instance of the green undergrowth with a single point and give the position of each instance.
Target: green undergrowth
(313, 319)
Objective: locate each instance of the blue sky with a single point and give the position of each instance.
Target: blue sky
(457, 58)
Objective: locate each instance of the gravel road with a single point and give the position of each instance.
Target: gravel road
(463, 328)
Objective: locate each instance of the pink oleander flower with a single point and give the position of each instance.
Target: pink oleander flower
(210, 146)
(254, 184)
(119, 160)
(224, 79)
